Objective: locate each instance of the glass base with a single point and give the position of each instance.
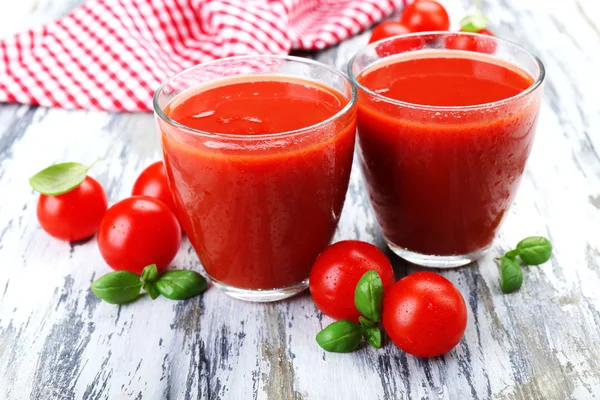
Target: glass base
(262, 295)
(433, 261)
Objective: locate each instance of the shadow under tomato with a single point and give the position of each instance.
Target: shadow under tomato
(79, 243)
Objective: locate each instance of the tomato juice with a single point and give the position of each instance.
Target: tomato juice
(259, 167)
(442, 149)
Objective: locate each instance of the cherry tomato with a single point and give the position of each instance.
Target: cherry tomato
(137, 232)
(425, 15)
(471, 43)
(424, 314)
(74, 215)
(336, 273)
(388, 29)
(485, 45)
(153, 182)
(485, 32)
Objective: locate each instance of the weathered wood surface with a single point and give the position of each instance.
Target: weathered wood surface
(58, 341)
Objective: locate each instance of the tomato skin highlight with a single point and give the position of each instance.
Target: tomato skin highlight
(139, 231)
(336, 273)
(153, 182)
(424, 314)
(74, 215)
(424, 16)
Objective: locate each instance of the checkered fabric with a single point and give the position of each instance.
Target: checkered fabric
(113, 54)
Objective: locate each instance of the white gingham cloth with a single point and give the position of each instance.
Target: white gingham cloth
(113, 54)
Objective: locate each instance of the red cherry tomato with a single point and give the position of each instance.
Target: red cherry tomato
(336, 273)
(425, 15)
(485, 32)
(153, 182)
(471, 43)
(75, 215)
(485, 45)
(388, 29)
(137, 232)
(424, 314)
(460, 42)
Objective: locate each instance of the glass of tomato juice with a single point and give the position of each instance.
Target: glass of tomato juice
(258, 152)
(445, 125)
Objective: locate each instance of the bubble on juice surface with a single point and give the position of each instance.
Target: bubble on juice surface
(252, 119)
(204, 114)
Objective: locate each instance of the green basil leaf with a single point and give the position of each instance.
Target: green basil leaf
(151, 289)
(365, 322)
(535, 250)
(512, 254)
(340, 337)
(512, 275)
(373, 337)
(368, 297)
(181, 284)
(117, 287)
(59, 178)
(150, 273)
(474, 23)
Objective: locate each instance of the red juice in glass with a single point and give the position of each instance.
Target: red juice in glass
(444, 136)
(259, 165)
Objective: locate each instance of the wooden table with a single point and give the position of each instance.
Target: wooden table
(58, 341)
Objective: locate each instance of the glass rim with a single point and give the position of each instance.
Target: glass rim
(536, 84)
(344, 110)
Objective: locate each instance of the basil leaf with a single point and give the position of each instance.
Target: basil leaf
(368, 296)
(535, 250)
(181, 284)
(150, 273)
(474, 23)
(117, 287)
(151, 289)
(60, 178)
(365, 322)
(373, 337)
(512, 275)
(512, 254)
(340, 337)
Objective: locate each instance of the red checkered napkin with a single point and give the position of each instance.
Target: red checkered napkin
(113, 54)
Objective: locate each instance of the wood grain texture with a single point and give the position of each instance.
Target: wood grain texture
(58, 341)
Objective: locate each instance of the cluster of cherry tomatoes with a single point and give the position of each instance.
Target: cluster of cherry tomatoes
(429, 15)
(135, 232)
(424, 314)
